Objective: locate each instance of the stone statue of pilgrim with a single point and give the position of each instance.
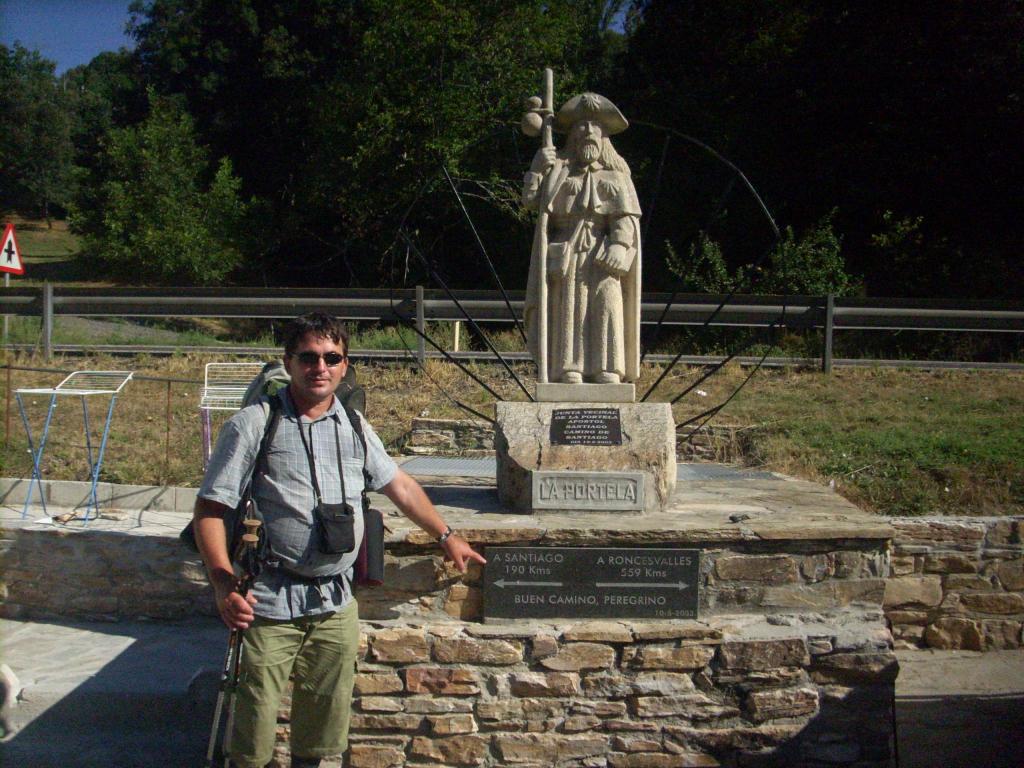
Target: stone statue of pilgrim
(589, 232)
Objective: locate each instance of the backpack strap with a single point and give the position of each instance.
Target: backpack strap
(357, 427)
(272, 408)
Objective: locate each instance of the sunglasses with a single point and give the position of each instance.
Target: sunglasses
(331, 359)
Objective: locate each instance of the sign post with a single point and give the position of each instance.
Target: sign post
(10, 263)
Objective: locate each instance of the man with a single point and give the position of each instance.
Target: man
(592, 259)
(301, 617)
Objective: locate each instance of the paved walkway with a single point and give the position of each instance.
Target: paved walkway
(119, 695)
(960, 709)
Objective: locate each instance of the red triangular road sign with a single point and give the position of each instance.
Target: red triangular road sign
(10, 256)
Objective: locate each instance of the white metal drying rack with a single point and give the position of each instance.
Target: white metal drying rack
(81, 384)
(224, 386)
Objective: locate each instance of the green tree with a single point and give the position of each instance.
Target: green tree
(35, 135)
(105, 94)
(811, 263)
(703, 270)
(337, 114)
(165, 217)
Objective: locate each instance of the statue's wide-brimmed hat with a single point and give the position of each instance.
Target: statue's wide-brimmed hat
(590, 106)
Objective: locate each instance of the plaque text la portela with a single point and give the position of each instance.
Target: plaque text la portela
(591, 582)
(587, 491)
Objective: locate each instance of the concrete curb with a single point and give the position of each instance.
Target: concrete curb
(74, 494)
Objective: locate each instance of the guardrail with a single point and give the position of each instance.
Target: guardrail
(828, 313)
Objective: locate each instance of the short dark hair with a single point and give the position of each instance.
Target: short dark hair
(320, 325)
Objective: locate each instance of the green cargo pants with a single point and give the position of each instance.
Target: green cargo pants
(319, 653)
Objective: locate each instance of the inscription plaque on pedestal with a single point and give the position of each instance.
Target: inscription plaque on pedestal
(588, 491)
(591, 582)
(586, 426)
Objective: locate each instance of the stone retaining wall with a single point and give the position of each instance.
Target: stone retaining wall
(100, 575)
(809, 685)
(957, 583)
(623, 695)
(949, 582)
(110, 575)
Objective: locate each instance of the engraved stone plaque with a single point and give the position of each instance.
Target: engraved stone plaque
(586, 426)
(591, 582)
(581, 490)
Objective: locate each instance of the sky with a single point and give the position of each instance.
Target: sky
(68, 32)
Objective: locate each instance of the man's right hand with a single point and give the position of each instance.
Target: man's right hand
(543, 160)
(235, 611)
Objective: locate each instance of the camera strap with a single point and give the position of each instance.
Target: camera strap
(307, 446)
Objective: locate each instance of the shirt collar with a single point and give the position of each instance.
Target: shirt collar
(333, 412)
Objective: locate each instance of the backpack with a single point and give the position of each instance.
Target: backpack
(234, 528)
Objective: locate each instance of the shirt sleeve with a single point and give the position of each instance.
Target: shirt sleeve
(232, 459)
(382, 468)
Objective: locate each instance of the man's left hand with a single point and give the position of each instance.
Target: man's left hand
(458, 550)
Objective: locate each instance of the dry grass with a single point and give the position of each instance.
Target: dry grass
(896, 442)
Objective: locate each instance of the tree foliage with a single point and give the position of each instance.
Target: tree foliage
(810, 263)
(884, 137)
(162, 221)
(349, 109)
(35, 133)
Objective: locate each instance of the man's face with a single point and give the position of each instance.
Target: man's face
(588, 140)
(314, 379)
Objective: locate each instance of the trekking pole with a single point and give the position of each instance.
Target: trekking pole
(233, 658)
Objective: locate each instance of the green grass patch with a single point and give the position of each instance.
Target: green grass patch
(898, 442)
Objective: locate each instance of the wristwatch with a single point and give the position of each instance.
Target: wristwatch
(446, 535)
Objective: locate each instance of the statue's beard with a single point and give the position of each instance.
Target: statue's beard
(590, 151)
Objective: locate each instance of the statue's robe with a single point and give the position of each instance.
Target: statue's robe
(593, 315)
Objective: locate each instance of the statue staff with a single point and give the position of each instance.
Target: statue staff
(541, 116)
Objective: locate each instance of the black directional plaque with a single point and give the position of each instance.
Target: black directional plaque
(590, 582)
(586, 426)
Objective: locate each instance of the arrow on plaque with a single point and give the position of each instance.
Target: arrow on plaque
(680, 585)
(502, 583)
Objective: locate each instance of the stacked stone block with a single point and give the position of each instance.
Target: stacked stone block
(957, 583)
(449, 437)
(93, 574)
(623, 695)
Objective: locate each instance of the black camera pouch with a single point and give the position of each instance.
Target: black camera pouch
(335, 525)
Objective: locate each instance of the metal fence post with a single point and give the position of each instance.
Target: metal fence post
(421, 324)
(826, 358)
(47, 329)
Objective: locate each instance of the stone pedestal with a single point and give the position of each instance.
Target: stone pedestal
(585, 393)
(637, 473)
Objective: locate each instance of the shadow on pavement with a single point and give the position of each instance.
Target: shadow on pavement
(112, 695)
(972, 731)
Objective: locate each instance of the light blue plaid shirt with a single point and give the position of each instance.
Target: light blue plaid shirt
(285, 499)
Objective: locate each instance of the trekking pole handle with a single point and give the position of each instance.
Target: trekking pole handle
(250, 542)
